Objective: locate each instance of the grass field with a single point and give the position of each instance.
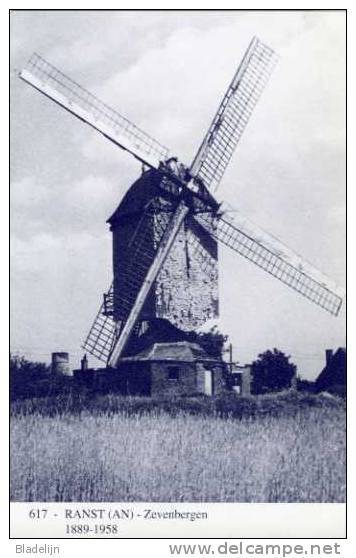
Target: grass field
(142, 454)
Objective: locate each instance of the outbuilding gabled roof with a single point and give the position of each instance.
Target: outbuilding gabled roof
(182, 351)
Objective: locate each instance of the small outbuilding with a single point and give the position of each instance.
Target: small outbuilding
(177, 368)
(239, 379)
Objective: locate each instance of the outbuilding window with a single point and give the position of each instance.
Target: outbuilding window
(173, 373)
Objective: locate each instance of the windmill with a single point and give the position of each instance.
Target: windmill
(170, 219)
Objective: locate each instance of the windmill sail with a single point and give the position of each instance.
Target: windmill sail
(140, 254)
(100, 339)
(121, 296)
(271, 255)
(163, 250)
(233, 114)
(60, 88)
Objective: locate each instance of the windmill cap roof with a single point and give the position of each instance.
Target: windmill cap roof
(183, 351)
(142, 192)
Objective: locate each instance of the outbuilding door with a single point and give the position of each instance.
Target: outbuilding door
(208, 382)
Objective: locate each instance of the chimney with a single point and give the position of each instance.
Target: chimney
(84, 363)
(328, 356)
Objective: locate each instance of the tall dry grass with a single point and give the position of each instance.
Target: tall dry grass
(156, 457)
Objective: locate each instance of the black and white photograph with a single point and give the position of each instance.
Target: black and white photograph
(178, 255)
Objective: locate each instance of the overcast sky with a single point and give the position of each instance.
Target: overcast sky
(167, 72)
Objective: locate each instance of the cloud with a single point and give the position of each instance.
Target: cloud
(26, 192)
(172, 90)
(60, 209)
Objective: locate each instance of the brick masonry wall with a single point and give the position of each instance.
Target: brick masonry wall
(219, 381)
(184, 385)
(246, 381)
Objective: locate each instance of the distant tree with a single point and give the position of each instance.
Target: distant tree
(28, 379)
(212, 341)
(272, 371)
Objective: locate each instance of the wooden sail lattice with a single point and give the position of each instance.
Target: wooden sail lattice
(70, 95)
(278, 260)
(141, 253)
(101, 336)
(162, 248)
(234, 113)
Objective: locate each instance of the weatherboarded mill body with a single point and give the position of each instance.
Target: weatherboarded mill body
(165, 234)
(185, 291)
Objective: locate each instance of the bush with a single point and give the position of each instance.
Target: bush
(34, 379)
(225, 406)
(306, 385)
